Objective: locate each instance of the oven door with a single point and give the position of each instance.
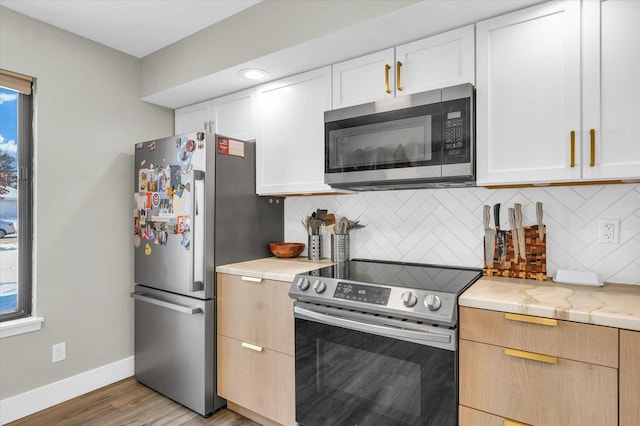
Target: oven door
(350, 372)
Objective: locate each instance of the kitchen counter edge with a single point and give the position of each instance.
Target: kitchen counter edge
(273, 268)
(612, 305)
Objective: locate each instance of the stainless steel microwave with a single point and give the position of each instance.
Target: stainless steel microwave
(414, 141)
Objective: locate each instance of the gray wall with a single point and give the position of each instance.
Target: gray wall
(260, 30)
(88, 119)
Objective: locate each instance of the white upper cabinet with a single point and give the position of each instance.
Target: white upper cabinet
(443, 60)
(232, 115)
(290, 148)
(235, 115)
(192, 118)
(528, 95)
(365, 79)
(611, 89)
(440, 61)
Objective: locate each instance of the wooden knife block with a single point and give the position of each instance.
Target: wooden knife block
(535, 265)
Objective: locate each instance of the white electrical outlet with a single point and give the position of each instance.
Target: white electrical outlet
(609, 231)
(58, 352)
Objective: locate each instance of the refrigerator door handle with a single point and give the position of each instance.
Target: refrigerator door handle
(197, 232)
(179, 308)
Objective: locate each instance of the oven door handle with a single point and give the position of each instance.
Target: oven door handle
(381, 330)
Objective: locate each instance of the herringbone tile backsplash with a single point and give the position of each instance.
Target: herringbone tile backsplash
(444, 226)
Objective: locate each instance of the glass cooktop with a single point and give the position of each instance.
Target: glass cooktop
(448, 279)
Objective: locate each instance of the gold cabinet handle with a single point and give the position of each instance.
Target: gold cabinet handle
(398, 84)
(387, 67)
(592, 135)
(509, 422)
(252, 279)
(533, 320)
(531, 355)
(573, 148)
(252, 347)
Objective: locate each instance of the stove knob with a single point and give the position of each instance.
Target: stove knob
(319, 286)
(432, 302)
(302, 284)
(409, 299)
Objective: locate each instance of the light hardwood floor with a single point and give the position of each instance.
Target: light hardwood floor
(129, 403)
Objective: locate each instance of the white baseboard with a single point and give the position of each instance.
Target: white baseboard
(35, 400)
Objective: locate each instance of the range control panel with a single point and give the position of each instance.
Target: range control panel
(362, 293)
(434, 306)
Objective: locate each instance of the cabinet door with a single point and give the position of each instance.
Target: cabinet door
(192, 118)
(443, 60)
(528, 95)
(611, 103)
(536, 389)
(234, 115)
(365, 79)
(290, 148)
(257, 378)
(629, 377)
(259, 311)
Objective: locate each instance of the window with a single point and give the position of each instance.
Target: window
(16, 229)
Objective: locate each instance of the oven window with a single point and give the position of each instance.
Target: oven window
(346, 377)
(386, 378)
(404, 138)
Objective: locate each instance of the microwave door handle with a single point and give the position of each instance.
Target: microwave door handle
(380, 330)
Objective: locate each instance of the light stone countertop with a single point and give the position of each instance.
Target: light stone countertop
(274, 268)
(613, 305)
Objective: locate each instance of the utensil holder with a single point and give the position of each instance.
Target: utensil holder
(339, 247)
(314, 251)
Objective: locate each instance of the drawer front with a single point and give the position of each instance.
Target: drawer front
(535, 391)
(470, 417)
(261, 381)
(570, 340)
(629, 377)
(260, 312)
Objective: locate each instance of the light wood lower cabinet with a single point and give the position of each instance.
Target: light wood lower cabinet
(529, 370)
(261, 380)
(470, 417)
(536, 391)
(255, 348)
(629, 377)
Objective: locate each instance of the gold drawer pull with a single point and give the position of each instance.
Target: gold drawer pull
(533, 320)
(592, 136)
(531, 355)
(509, 422)
(572, 163)
(252, 279)
(252, 347)
(398, 84)
(387, 67)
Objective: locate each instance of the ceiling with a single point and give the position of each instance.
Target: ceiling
(162, 32)
(136, 27)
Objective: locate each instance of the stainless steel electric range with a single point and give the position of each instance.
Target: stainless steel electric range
(376, 343)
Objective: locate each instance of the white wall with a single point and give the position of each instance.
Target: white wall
(444, 226)
(88, 119)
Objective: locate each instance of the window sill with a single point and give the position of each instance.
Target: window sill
(20, 326)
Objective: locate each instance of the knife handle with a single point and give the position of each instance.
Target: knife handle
(541, 230)
(517, 207)
(486, 214)
(496, 215)
(539, 212)
(512, 219)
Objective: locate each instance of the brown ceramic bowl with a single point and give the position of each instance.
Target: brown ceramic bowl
(286, 250)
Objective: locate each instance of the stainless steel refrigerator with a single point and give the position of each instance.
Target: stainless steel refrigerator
(195, 207)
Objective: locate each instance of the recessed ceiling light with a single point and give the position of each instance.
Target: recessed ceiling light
(253, 73)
